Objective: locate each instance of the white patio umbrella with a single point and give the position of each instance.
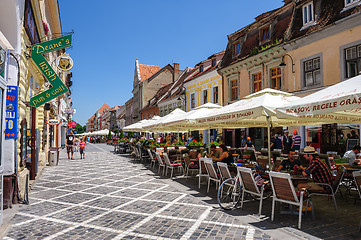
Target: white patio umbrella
(136, 127)
(339, 103)
(156, 125)
(151, 121)
(188, 121)
(255, 110)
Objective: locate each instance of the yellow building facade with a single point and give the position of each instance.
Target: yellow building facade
(205, 85)
(45, 19)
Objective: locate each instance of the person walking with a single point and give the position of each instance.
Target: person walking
(70, 144)
(82, 149)
(76, 142)
(296, 141)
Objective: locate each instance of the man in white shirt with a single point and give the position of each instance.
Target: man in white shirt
(351, 155)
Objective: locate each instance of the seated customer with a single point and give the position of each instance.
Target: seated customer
(276, 143)
(319, 170)
(225, 156)
(215, 153)
(351, 155)
(291, 163)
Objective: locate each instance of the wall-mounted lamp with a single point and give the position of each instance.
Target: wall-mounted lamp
(283, 64)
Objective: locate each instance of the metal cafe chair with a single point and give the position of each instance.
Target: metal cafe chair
(202, 171)
(285, 192)
(171, 166)
(332, 190)
(212, 174)
(249, 185)
(152, 160)
(357, 179)
(160, 162)
(189, 165)
(224, 171)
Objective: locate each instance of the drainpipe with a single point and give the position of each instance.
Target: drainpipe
(33, 126)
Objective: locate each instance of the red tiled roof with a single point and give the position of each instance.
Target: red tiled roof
(146, 71)
(201, 73)
(105, 106)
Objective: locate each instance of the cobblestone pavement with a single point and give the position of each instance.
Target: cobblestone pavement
(106, 196)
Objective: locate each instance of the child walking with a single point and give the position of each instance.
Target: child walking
(82, 148)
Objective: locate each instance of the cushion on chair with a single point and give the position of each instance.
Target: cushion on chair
(193, 166)
(176, 164)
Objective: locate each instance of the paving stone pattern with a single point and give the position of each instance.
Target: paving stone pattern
(107, 196)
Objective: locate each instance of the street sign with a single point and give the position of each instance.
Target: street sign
(53, 122)
(11, 117)
(70, 110)
(58, 88)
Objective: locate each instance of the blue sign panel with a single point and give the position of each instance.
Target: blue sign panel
(11, 118)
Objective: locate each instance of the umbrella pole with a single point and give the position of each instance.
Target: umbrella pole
(209, 139)
(269, 142)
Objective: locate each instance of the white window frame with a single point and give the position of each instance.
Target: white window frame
(349, 3)
(207, 97)
(215, 100)
(307, 16)
(303, 63)
(193, 96)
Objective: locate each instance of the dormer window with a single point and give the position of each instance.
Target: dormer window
(236, 49)
(350, 2)
(265, 34)
(307, 11)
(201, 68)
(214, 62)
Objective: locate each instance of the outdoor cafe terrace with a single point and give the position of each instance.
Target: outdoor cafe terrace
(327, 222)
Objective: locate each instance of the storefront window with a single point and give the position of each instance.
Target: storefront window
(332, 137)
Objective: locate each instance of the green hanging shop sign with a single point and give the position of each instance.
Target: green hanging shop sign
(57, 86)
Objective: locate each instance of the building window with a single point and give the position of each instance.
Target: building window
(307, 11)
(215, 94)
(193, 100)
(214, 62)
(312, 69)
(30, 23)
(236, 49)
(201, 68)
(257, 82)
(350, 2)
(205, 96)
(276, 78)
(234, 90)
(353, 61)
(265, 33)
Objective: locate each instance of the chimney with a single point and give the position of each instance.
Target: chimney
(176, 71)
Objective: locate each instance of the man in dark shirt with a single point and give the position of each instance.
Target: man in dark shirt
(286, 142)
(291, 163)
(276, 143)
(70, 144)
(318, 169)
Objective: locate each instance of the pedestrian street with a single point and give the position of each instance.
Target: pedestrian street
(107, 196)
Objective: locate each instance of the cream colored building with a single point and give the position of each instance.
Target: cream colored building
(301, 47)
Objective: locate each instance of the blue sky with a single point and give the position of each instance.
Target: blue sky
(111, 34)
